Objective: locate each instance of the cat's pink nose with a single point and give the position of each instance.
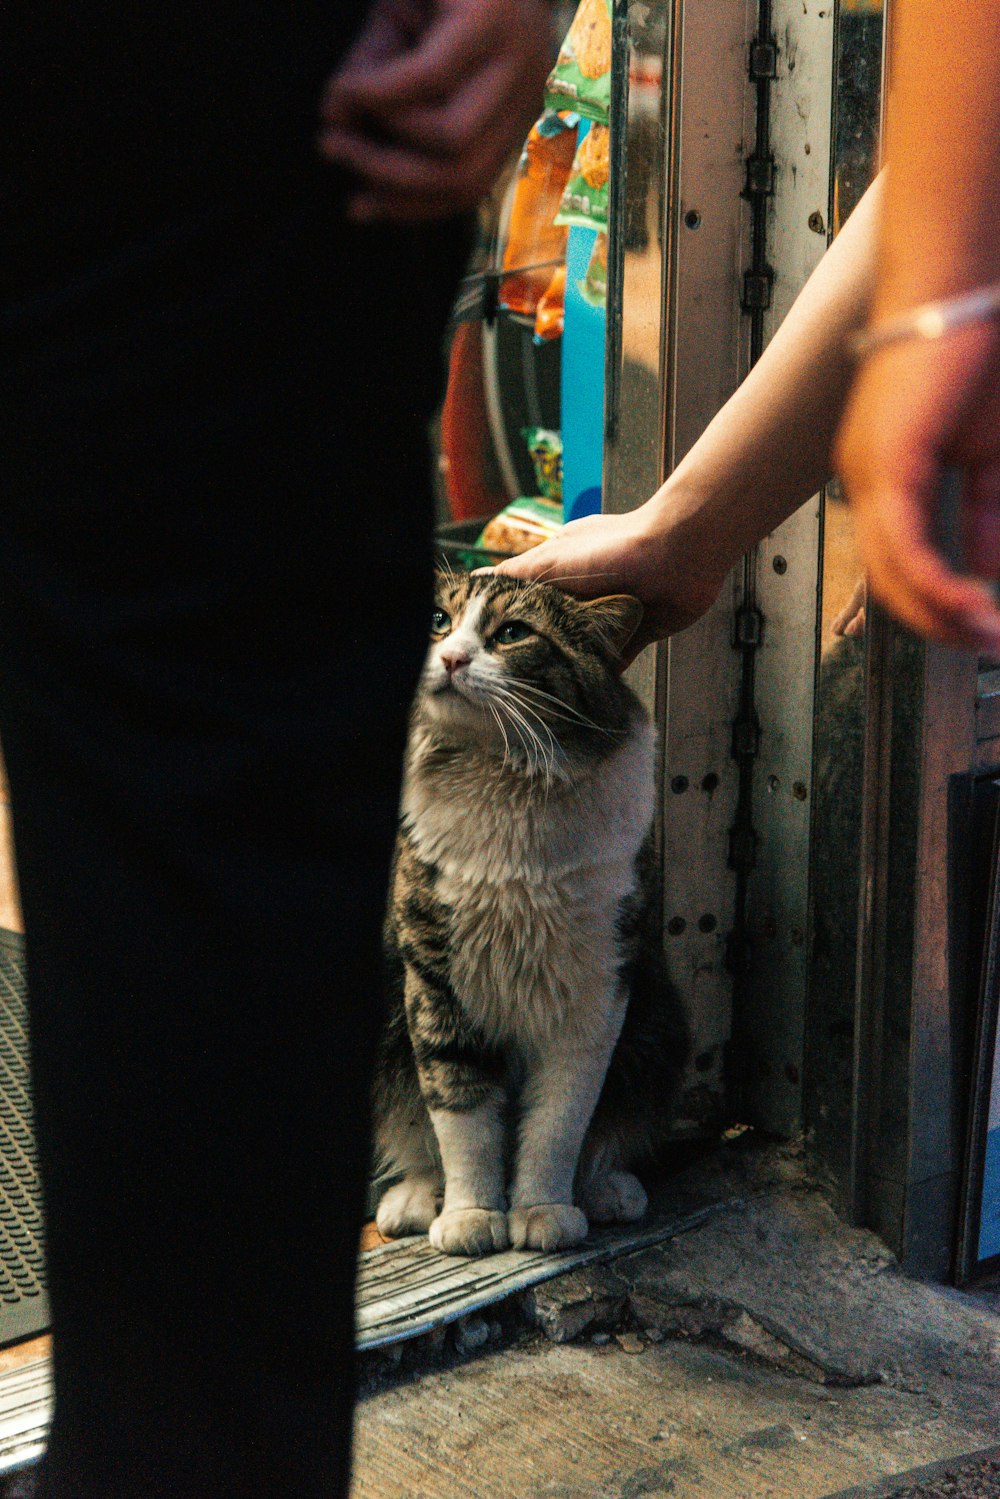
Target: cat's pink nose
(451, 660)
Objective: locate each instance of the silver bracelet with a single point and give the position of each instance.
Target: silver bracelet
(929, 321)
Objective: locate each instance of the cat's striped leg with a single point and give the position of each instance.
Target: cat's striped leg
(461, 1083)
(562, 1088)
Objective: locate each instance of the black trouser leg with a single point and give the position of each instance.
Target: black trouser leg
(213, 590)
(204, 1005)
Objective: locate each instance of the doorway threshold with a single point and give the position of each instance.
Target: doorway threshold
(406, 1289)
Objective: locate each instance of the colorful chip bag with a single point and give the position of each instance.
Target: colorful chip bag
(534, 239)
(545, 451)
(581, 78)
(550, 315)
(521, 525)
(594, 286)
(585, 199)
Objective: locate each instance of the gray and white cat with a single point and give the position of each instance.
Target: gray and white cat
(534, 1043)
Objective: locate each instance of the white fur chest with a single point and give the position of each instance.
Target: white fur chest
(534, 881)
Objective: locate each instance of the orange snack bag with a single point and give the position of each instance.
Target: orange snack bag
(532, 238)
(551, 311)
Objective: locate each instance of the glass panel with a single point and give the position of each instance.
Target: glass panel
(840, 700)
(634, 402)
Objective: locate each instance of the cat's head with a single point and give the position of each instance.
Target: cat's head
(526, 671)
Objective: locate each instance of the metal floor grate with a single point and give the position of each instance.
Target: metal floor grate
(24, 1311)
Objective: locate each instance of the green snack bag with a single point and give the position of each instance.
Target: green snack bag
(581, 78)
(594, 286)
(585, 200)
(545, 450)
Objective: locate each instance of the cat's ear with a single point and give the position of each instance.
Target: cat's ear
(616, 617)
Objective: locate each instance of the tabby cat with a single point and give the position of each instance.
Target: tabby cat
(534, 1042)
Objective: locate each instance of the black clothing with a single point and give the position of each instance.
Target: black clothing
(214, 566)
(116, 120)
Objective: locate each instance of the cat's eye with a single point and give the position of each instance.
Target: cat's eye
(513, 631)
(440, 622)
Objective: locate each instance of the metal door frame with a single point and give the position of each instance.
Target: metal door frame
(737, 235)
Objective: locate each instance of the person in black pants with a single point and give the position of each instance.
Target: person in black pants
(219, 353)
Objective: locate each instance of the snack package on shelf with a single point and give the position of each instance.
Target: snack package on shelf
(550, 314)
(534, 240)
(585, 199)
(594, 286)
(527, 522)
(545, 451)
(521, 525)
(581, 78)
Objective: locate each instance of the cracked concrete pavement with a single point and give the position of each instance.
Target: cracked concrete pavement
(771, 1353)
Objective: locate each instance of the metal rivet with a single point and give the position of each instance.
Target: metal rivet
(800, 791)
(780, 565)
(816, 223)
(710, 781)
(693, 218)
(676, 925)
(772, 784)
(679, 784)
(707, 923)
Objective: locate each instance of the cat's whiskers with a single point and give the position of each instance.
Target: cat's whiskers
(535, 750)
(446, 567)
(533, 746)
(550, 576)
(571, 714)
(500, 725)
(512, 696)
(518, 708)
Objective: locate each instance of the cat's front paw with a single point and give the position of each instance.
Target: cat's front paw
(409, 1207)
(550, 1225)
(469, 1231)
(614, 1197)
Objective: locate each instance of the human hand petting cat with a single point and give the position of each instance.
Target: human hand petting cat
(430, 101)
(657, 553)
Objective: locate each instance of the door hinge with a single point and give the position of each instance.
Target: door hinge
(763, 60)
(742, 848)
(760, 177)
(757, 289)
(748, 629)
(746, 738)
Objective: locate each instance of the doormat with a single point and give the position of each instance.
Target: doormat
(406, 1288)
(24, 1309)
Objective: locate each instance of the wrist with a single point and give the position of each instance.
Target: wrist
(686, 539)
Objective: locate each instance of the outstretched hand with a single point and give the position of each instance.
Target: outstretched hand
(431, 99)
(916, 410)
(644, 553)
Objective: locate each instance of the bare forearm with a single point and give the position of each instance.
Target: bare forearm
(769, 448)
(765, 453)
